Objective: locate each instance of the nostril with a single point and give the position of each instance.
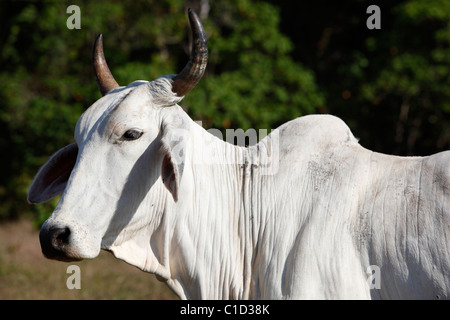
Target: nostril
(60, 237)
(55, 243)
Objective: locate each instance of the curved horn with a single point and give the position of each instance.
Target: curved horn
(191, 74)
(104, 77)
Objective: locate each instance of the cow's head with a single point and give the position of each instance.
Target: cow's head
(126, 150)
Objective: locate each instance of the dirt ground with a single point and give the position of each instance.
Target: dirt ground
(26, 274)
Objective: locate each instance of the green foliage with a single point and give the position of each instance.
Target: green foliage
(252, 82)
(415, 78)
(390, 85)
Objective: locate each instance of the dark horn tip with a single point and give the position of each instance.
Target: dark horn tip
(191, 74)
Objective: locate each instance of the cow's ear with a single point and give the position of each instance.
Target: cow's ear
(174, 155)
(171, 176)
(51, 179)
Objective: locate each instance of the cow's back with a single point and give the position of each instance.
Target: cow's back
(334, 211)
(405, 219)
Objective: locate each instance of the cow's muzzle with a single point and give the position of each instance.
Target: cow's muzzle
(56, 244)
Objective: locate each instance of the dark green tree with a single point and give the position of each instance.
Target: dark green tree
(390, 85)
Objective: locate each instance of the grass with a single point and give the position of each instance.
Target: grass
(26, 274)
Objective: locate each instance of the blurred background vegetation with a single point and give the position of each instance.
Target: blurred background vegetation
(270, 61)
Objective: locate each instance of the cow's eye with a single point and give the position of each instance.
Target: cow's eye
(132, 134)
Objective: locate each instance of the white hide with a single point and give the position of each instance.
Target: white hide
(302, 214)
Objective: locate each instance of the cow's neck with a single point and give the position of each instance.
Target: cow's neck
(213, 237)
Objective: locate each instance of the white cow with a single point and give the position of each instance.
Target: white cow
(305, 213)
